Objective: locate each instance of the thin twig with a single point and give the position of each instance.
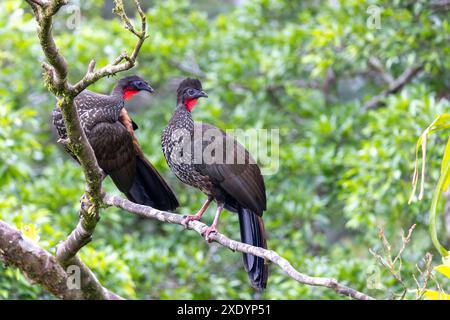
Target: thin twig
(405, 241)
(116, 65)
(426, 275)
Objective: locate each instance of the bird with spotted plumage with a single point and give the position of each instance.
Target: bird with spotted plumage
(110, 132)
(206, 158)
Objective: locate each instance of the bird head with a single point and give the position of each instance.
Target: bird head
(189, 91)
(131, 85)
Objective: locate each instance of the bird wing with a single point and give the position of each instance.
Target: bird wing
(92, 100)
(85, 101)
(236, 173)
(131, 126)
(115, 152)
(149, 187)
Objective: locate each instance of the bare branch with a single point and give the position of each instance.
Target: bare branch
(270, 255)
(394, 266)
(41, 3)
(404, 78)
(120, 11)
(426, 274)
(405, 241)
(376, 65)
(389, 263)
(37, 264)
(90, 287)
(77, 239)
(41, 267)
(394, 87)
(116, 66)
(55, 75)
(91, 66)
(44, 12)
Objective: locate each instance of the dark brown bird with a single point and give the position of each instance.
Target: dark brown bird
(110, 132)
(204, 157)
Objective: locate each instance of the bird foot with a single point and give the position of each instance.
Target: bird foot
(208, 231)
(189, 218)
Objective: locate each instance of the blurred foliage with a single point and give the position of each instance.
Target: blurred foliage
(300, 66)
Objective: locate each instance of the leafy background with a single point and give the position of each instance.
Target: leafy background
(297, 66)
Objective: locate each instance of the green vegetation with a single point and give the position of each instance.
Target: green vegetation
(299, 66)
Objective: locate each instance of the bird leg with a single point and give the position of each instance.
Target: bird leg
(198, 215)
(213, 227)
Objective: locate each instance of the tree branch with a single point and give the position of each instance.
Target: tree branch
(39, 266)
(375, 64)
(270, 255)
(116, 66)
(394, 87)
(55, 75)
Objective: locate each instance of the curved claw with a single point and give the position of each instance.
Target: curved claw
(189, 218)
(208, 231)
(197, 216)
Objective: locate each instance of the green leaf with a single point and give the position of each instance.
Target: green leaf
(441, 122)
(433, 212)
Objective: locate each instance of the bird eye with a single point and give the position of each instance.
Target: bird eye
(191, 92)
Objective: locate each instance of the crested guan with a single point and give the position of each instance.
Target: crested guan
(110, 131)
(227, 174)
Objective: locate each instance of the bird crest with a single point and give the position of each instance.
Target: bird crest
(189, 83)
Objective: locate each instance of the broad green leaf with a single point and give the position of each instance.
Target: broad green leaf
(441, 122)
(433, 211)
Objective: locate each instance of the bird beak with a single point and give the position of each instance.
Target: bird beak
(201, 94)
(148, 88)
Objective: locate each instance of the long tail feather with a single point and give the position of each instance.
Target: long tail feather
(253, 233)
(150, 189)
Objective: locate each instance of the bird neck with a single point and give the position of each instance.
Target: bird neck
(124, 94)
(182, 118)
(117, 92)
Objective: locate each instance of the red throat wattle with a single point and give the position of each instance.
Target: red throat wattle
(190, 104)
(129, 93)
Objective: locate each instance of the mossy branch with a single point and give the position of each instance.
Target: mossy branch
(56, 71)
